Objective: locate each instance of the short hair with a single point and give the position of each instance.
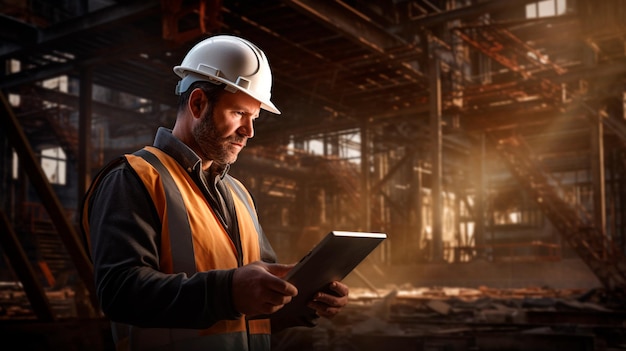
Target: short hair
(212, 91)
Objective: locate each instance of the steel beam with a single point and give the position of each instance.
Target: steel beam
(366, 194)
(17, 31)
(24, 271)
(357, 27)
(36, 75)
(112, 113)
(65, 229)
(436, 148)
(598, 179)
(105, 16)
(84, 131)
(348, 21)
(473, 10)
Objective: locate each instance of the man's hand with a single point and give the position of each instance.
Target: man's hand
(328, 304)
(258, 288)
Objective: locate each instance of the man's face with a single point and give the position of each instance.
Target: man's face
(223, 131)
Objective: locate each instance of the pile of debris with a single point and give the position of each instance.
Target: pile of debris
(14, 303)
(449, 318)
(433, 319)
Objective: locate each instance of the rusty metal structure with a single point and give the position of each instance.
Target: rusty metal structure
(465, 129)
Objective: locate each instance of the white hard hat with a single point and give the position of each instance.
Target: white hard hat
(233, 61)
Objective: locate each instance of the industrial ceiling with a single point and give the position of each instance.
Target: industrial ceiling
(336, 64)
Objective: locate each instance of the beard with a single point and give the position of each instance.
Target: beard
(213, 146)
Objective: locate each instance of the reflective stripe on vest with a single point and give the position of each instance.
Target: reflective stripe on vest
(182, 244)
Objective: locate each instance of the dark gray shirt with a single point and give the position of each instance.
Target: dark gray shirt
(125, 245)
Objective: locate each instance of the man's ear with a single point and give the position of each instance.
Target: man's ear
(197, 102)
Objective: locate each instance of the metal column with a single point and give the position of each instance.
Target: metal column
(84, 133)
(597, 178)
(436, 149)
(365, 177)
(479, 217)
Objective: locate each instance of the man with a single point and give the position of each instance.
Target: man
(180, 261)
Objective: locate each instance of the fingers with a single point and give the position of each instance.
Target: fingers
(329, 304)
(284, 287)
(324, 310)
(256, 290)
(277, 269)
(279, 285)
(340, 288)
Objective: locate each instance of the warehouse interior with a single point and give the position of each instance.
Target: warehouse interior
(486, 138)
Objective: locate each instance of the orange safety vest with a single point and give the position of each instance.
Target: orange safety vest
(181, 204)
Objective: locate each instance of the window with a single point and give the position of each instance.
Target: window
(546, 8)
(54, 164)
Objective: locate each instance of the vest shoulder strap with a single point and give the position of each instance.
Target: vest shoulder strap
(243, 196)
(181, 240)
(267, 252)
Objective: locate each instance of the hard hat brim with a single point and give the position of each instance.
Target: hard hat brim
(191, 77)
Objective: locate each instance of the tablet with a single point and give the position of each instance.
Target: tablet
(332, 259)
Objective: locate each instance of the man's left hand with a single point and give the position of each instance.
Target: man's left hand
(328, 304)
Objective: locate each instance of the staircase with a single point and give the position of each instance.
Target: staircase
(572, 220)
(51, 255)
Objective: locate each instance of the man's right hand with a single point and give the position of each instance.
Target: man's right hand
(259, 289)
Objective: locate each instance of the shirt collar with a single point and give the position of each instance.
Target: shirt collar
(178, 150)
